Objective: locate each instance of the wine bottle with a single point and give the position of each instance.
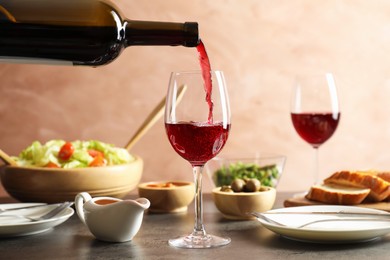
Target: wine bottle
(79, 32)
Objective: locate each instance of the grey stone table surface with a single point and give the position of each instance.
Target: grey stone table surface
(250, 240)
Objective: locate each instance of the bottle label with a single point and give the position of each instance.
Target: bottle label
(24, 60)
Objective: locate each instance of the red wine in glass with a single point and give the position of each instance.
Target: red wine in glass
(197, 142)
(315, 128)
(315, 111)
(197, 138)
(198, 129)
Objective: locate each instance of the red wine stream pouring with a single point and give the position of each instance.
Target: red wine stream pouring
(206, 74)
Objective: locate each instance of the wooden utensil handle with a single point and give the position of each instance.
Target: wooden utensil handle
(6, 158)
(152, 118)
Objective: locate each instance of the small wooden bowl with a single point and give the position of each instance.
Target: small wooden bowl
(172, 199)
(52, 185)
(239, 205)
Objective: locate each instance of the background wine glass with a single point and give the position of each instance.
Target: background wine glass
(197, 132)
(315, 111)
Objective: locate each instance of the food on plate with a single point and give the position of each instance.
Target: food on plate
(351, 188)
(267, 175)
(379, 188)
(337, 194)
(76, 154)
(240, 185)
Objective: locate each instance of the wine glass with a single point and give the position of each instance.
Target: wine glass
(315, 111)
(197, 127)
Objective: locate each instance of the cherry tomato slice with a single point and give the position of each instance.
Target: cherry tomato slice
(51, 165)
(66, 151)
(94, 153)
(98, 161)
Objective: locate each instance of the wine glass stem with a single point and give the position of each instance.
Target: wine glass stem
(315, 166)
(198, 228)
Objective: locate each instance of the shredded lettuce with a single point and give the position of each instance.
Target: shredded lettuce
(268, 175)
(40, 155)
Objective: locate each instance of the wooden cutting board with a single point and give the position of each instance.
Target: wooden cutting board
(302, 201)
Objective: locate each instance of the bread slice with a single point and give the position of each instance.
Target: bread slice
(379, 188)
(337, 194)
(381, 174)
(384, 176)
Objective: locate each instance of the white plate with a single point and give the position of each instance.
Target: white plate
(340, 231)
(17, 226)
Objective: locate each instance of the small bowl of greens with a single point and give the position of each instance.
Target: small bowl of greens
(267, 169)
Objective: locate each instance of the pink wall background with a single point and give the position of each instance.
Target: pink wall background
(261, 46)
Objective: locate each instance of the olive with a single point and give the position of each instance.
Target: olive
(252, 185)
(238, 185)
(226, 189)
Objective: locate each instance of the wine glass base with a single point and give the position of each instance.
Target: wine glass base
(204, 241)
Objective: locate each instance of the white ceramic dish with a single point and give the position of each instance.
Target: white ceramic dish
(17, 226)
(340, 231)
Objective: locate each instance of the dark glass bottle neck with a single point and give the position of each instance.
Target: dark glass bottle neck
(161, 33)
